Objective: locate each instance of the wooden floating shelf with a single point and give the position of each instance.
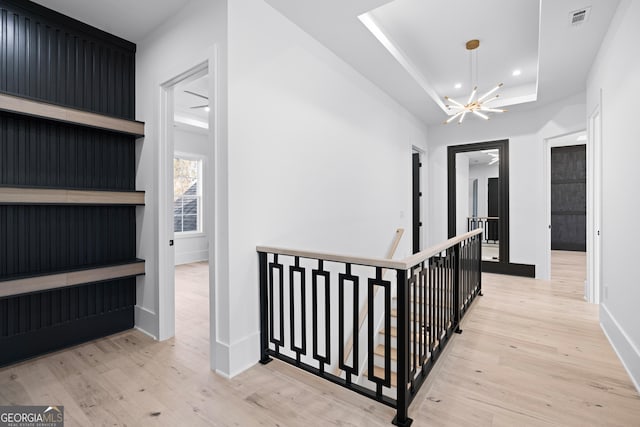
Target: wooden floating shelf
(16, 104)
(63, 280)
(47, 196)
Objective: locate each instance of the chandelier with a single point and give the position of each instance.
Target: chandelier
(475, 105)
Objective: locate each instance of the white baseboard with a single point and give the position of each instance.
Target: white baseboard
(146, 321)
(238, 357)
(221, 359)
(145, 332)
(625, 348)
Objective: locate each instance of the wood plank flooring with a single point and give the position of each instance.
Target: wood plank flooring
(531, 354)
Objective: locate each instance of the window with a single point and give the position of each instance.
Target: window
(187, 195)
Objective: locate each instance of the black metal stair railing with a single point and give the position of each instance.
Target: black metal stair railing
(310, 304)
(490, 225)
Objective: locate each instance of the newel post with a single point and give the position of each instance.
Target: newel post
(264, 309)
(479, 242)
(402, 402)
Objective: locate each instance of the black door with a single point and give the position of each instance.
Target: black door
(569, 198)
(493, 208)
(416, 201)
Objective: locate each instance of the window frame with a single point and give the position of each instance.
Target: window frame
(200, 231)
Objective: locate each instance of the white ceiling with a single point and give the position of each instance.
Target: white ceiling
(430, 36)
(480, 157)
(430, 33)
(129, 19)
(190, 97)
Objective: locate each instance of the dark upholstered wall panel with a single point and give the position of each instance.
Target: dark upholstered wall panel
(569, 198)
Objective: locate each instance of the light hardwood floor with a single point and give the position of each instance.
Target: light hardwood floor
(531, 354)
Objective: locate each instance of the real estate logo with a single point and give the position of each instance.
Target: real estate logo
(31, 416)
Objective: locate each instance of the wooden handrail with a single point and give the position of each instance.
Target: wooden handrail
(404, 264)
(45, 110)
(325, 256)
(416, 259)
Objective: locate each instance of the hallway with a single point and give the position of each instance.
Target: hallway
(532, 353)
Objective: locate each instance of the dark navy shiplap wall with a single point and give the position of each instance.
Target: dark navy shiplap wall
(49, 57)
(41, 239)
(41, 322)
(52, 58)
(42, 153)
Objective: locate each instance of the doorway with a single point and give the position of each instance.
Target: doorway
(186, 208)
(569, 198)
(416, 201)
(567, 211)
(191, 231)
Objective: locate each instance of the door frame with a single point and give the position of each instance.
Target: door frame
(503, 266)
(214, 219)
(416, 223)
(423, 190)
(166, 277)
(549, 143)
(594, 206)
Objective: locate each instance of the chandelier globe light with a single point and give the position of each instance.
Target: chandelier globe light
(474, 105)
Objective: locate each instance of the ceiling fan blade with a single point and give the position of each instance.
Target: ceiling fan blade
(196, 94)
(199, 106)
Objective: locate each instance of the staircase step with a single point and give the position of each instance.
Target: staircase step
(393, 332)
(380, 352)
(379, 372)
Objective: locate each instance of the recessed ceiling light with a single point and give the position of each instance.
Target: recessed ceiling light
(458, 85)
(516, 73)
(207, 109)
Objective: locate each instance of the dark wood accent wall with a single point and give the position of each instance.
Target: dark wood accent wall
(47, 57)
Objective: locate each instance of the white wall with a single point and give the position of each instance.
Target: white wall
(616, 72)
(526, 131)
(308, 154)
(482, 173)
(192, 141)
(319, 158)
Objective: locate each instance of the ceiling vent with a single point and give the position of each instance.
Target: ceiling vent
(579, 16)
